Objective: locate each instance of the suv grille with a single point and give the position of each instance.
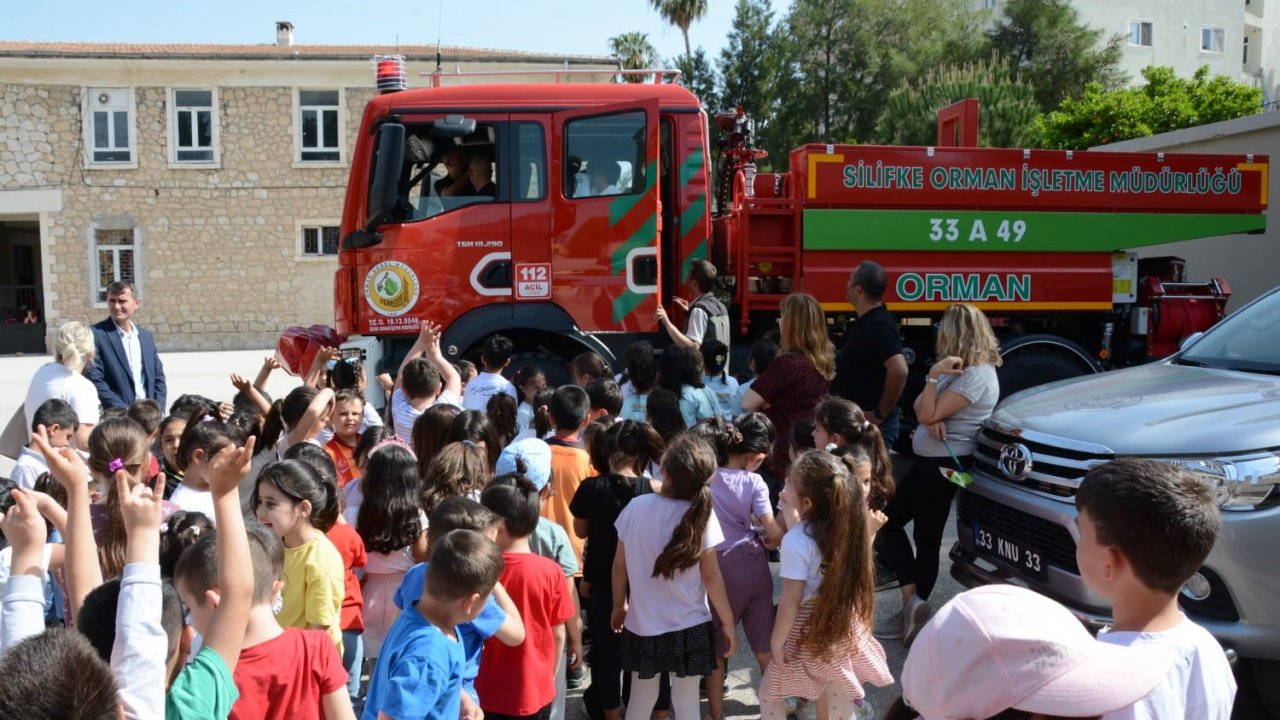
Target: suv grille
(1052, 539)
(1055, 471)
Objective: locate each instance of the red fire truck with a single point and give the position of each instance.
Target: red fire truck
(600, 195)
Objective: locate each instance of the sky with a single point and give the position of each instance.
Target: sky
(554, 26)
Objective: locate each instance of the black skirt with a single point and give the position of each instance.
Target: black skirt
(683, 653)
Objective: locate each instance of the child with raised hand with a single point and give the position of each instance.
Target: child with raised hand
(220, 612)
(822, 645)
(294, 501)
(499, 619)
(423, 382)
(528, 381)
(740, 499)
(1145, 528)
(299, 417)
(48, 675)
(394, 529)
(283, 673)
(620, 454)
(838, 423)
(666, 625)
(420, 673)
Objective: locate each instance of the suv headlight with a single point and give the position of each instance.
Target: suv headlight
(1241, 483)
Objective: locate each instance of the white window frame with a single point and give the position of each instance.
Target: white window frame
(1221, 34)
(988, 4)
(94, 270)
(216, 126)
(1141, 21)
(89, 98)
(301, 226)
(298, 162)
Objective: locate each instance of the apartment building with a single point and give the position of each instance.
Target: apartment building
(212, 176)
(1236, 38)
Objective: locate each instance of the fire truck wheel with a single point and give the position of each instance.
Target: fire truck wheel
(1033, 365)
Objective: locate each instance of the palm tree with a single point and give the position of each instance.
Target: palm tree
(634, 52)
(682, 14)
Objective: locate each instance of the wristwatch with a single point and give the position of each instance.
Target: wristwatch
(933, 380)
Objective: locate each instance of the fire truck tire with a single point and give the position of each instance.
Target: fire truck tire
(1031, 363)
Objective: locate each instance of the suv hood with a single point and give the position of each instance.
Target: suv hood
(1161, 409)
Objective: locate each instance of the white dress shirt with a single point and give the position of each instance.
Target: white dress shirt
(133, 353)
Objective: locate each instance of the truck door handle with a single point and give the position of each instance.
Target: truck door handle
(642, 270)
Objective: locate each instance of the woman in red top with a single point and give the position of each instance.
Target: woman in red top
(790, 389)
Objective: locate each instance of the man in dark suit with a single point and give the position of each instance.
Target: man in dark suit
(126, 366)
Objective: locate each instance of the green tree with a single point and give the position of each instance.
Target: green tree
(699, 77)
(682, 14)
(748, 63)
(840, 59)
(1167, 102)
(1008, 114)
(634, 52)
(1046, 44)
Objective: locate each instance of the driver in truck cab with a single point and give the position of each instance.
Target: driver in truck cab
(481, 175)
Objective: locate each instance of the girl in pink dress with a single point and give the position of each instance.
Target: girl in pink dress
(822, 646)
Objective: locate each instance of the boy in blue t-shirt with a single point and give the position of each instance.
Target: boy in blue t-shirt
(420, 669)
(498, 618)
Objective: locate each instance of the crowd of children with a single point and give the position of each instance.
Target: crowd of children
(308, 558)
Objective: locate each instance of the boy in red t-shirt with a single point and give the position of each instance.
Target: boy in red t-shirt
(519, 682)
(351, 547)
(284, 673)
(348, 413)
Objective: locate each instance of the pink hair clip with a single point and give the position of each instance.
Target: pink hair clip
(115, 466)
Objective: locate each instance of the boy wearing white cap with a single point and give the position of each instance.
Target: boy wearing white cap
(1145, 528)
(1008, 652)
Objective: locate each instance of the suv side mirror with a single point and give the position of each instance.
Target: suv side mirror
(384, 188)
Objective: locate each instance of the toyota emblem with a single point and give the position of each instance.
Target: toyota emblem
(1015, 461)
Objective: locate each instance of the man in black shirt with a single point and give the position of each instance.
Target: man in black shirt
(871, 370)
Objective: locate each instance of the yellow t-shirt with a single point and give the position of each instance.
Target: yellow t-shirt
(313, 587)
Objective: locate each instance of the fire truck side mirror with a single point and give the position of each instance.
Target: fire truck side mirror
(388, 165)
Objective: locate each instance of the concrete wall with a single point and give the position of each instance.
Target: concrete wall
(1248, 262)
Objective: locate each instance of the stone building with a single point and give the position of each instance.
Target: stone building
(212, 176)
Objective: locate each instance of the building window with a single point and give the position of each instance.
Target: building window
(1246, 50)
(1211, 39)
(110, 125)
(195, 127)
(319, 240)
(1140, 33)
(988, 4)
(320, 132)
(114, 260)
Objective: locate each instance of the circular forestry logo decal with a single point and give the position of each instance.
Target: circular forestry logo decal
(391, 287)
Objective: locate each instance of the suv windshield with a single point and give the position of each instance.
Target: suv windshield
(1245, 340)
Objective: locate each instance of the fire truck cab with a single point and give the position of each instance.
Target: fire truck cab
(596, 202)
